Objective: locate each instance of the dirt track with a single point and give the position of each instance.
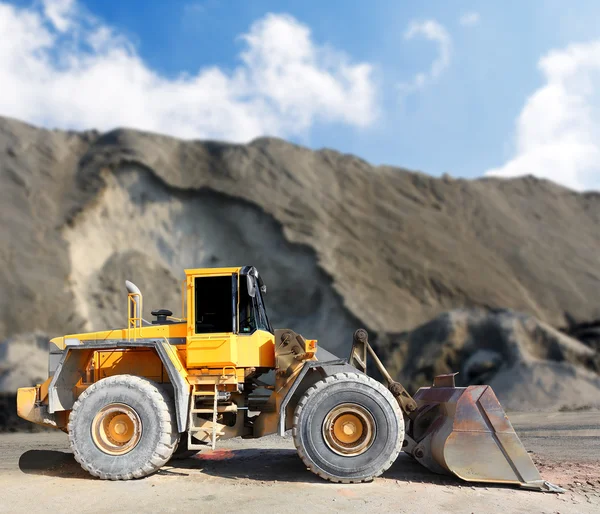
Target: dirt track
(38, 473)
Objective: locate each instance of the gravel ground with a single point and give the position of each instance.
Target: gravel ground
(38, 474)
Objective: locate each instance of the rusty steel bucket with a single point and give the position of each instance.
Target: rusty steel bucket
(463, 431)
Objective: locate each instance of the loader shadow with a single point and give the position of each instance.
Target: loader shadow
(262, 465)
(406, 469)
(265, 465)
(283, 465)
(54, 463)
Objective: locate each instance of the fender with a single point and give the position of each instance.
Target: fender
(302, 383)
(68, 372)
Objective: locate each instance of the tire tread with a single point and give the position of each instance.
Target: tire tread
(306, 397)
(169, 435)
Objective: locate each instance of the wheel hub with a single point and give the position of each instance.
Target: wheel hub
(116, 429)
(349, 429)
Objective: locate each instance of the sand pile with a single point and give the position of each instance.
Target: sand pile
(23, 361)
(340, 243)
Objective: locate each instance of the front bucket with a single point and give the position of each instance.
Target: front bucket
(464, 431)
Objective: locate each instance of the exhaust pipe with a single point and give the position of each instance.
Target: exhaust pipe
(135, 303)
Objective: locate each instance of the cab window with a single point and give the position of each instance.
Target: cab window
(214, 306)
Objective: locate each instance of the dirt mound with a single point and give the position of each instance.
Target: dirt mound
(530, 365)
(340, 243)
(23, 361)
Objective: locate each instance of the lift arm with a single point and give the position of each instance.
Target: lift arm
(361, 349)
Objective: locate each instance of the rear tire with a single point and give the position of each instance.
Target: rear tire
(348, 428)
(123, 427)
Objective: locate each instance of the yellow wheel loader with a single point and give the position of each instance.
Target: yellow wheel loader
(131, 399)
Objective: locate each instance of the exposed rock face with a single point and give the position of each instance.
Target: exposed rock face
(588, 332)
(530, 365)
(340, 243)
(23, 363)
(23, 357)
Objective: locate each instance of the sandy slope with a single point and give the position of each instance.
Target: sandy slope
(340, 243)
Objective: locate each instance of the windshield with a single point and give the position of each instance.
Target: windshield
(262, 312)
(253, 315)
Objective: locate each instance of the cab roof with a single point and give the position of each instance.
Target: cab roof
(213, 271)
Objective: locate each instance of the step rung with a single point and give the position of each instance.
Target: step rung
(200, 429)
(203, 393)
(220, 408)
(207, 430)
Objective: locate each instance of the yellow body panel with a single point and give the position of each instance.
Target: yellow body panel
(43, 394)
(175, 330)
(256, 350)
(176, 355)
(210, 350)
(212, 271)
(141, 362)
(26, 400)
(239, 350)
(30, 408)
(200, 350)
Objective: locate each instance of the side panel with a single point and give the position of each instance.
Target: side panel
(61, 393)
(256, 350)
(211, 350)
(242, 351)
(141, 362)
(174, 332)
(62, 390)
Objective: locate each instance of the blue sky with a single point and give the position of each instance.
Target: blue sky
(461, 120)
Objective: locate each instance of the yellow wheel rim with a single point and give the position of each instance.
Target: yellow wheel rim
(349, 429)
(116, 429)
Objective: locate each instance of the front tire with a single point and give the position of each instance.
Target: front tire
(348, 428)
(123, 427)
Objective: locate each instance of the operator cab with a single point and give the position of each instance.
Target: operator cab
(230, 303)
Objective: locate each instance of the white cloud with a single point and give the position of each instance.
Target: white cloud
(60, 13)
(469, 19)
(432, 31)
(61, 67)
(558, 129)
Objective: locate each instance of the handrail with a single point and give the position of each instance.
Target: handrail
(134, 321)
(183, 295)
(228, 367)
